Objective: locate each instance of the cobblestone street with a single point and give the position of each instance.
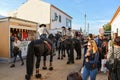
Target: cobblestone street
(60, 72)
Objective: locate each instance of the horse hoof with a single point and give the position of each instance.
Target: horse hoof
(68, 62)
(38, 75)
(64, 56)
(72, 62)
(61, 58)
(27, 77)
(51, 68)
(77, 58)
(58, 58)
(44, 68)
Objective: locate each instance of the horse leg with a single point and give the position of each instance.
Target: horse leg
(44, 62)
(51, 59)
(58, 53)
(71, 55)
(68, 62)
(29, 61)
(77, 53)
(38, 75)
(62, 53)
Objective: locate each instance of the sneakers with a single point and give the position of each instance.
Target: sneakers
(13, 65)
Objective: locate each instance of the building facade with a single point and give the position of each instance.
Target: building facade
(115, 22)
(24, 29)
(43, 13)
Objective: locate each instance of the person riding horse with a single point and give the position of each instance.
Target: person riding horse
(43, 35)
(67, 38)
(37, 48)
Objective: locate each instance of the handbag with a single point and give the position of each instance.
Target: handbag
(111, 63)
(15, 50)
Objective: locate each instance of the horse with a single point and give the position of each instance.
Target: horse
(61, 48)
(68, 44)
(77, 47)
(38, 48)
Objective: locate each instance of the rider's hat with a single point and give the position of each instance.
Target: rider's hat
(42, 25)
(63, 27)
(69, 28)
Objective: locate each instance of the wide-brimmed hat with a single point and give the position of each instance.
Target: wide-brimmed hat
(42, 25)
(69, 28)
(63, 26)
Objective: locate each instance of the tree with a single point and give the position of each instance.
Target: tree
(107, 27)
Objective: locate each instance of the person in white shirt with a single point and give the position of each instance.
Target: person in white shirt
(43, 32)
(69, 33)
(63, 31)
(17, 51)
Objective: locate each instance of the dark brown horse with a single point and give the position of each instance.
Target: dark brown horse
(68, 44)
(37, 48)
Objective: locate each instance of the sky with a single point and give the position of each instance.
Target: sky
(98, 12)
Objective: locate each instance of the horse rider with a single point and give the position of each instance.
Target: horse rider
(63, 33)
(69, 33)
(43, 35)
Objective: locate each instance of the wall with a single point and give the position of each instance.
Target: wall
(33, 10)
(57, 24)
(4, 39)
(116, 24)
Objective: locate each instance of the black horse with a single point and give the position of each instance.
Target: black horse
(38, 48)
(61, 48)
(69, 44)
(77, 47)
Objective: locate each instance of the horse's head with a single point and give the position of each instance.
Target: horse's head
(51, 37)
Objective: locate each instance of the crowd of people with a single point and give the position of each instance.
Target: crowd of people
(97, 51)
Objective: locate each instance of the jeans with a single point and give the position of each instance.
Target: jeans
(20, 55)
(91, 73)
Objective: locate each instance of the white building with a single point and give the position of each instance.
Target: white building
(115, 22)
(43, 13)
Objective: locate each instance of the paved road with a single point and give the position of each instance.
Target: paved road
(61, 70)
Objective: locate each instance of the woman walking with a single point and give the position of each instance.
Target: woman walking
(91, 60)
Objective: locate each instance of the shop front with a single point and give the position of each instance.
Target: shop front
(25, 30)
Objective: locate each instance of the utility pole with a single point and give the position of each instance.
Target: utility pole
(88, 29)
(85, 23)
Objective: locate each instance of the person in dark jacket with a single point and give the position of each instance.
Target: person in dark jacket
(91, 58)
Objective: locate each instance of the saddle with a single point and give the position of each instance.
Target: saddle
(48, 45)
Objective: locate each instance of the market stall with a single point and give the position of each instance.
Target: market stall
(24, 29)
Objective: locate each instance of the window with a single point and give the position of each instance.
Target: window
(55, 16)
(68, 23)
(59, 18)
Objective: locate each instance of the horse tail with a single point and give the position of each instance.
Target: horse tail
(30, 58)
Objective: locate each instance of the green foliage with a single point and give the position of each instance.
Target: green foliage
(107, 27)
